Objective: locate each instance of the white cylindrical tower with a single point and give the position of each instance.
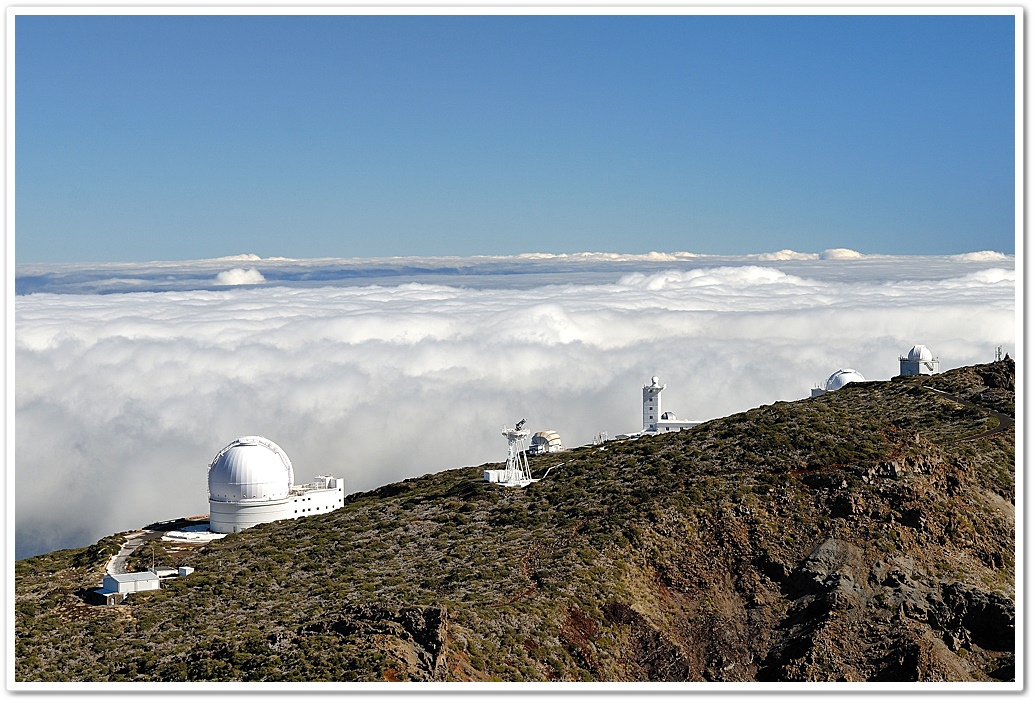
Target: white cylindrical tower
(652, 404)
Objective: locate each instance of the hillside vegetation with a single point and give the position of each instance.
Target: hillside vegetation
(865, 535)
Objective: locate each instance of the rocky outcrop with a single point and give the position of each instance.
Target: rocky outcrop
(416, 637)
(646, 653)
(969, 615)
(850, 620)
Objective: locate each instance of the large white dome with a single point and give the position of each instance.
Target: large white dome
(250, 469)
(841, 377)
(919, 353)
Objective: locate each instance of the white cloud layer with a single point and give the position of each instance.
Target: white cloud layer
(984, 256)
(786, 255)
(239, 277)
(122, 400)
(835, 254)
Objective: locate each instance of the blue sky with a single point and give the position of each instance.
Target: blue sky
(179, 137)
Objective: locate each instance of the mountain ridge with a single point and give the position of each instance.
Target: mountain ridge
(864, 535)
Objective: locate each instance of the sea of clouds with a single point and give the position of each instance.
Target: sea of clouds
(378, 370)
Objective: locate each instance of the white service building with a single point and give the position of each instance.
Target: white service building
(131, 583)
(251, 481)
(115, 587)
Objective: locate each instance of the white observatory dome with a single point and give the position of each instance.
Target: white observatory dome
(919, 353)
(545, 441)
(841, 377)
(250, 469)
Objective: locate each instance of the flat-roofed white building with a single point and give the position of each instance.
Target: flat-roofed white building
(115, 587)
(324, 494)
(131, 583)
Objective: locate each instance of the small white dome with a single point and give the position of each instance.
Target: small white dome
(841, 377)
(919, 353)
(654, 380)
(250, 469)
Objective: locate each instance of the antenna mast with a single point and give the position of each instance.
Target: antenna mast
(999, 353)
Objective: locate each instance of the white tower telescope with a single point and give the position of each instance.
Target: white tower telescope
(652, 404)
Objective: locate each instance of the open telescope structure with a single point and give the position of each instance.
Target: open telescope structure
(516, 471)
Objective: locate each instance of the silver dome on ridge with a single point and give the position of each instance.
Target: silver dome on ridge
(919, 353)
(250, 469)
(842, 377)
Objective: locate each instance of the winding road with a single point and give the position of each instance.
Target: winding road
(1006, 422)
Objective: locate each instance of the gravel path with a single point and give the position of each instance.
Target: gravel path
(117, 564)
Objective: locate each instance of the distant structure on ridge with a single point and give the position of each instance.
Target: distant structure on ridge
(655, 420)
(251, 481)
(516, 471)
(546, 442)
(918, 362)
(838, 379)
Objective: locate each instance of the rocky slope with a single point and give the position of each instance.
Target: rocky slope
(865, 535)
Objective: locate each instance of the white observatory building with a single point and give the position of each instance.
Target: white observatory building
(655, 420)
(838, 379)
(251, 481)
(918, 362)
(546, 442)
